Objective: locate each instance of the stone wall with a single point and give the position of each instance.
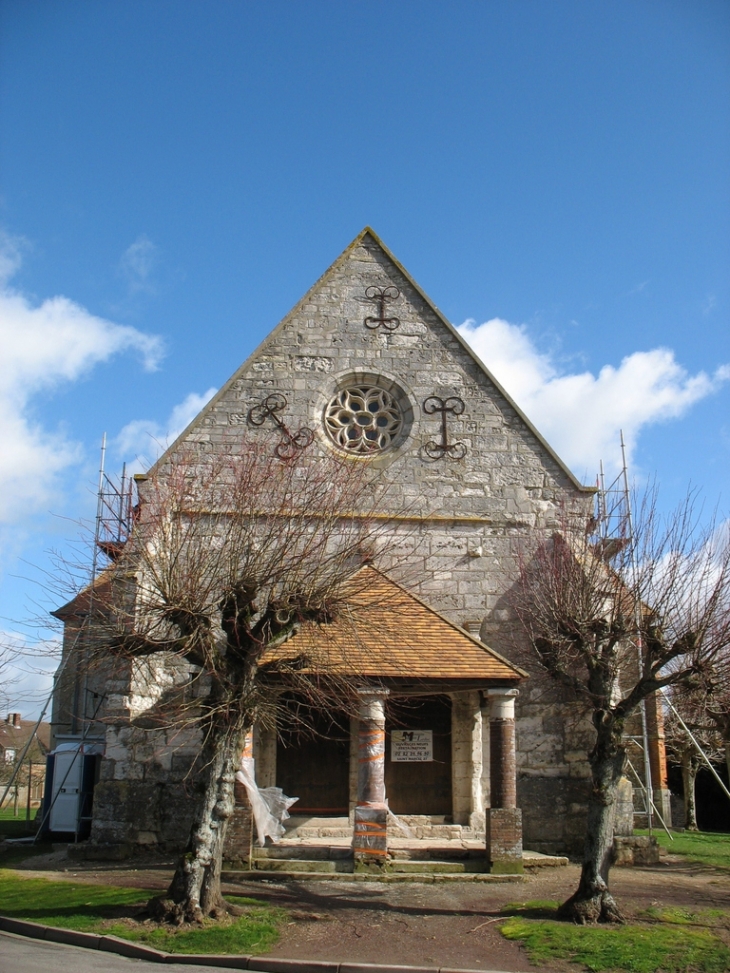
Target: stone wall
(146, 793)
(554, 736)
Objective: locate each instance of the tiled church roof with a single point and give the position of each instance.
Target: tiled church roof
(382, 630)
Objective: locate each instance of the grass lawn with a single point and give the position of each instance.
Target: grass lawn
(110, 910)
(659, 943)
(668, 939)
(7, 813)
(705, 847)
(12, 827)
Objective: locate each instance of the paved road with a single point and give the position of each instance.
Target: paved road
(18, 954)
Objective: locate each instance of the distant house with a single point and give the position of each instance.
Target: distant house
(14, 735)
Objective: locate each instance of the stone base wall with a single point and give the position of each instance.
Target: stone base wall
(135, 813)
(146, 792)
(637, 850)
(553, 814)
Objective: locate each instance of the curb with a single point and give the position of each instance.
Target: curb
(262, 964)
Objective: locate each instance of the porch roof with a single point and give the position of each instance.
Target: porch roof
(382, 630)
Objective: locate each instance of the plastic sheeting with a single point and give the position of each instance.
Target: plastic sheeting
(270, 805)
(398, 823)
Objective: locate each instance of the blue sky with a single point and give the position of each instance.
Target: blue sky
(174, 176)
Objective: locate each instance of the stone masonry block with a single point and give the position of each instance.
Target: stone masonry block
(503, 827)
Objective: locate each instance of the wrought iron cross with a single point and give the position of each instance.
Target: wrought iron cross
(382, 296)
(291, 442)
(455, 406)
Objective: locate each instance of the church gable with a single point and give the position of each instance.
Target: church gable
(366, 365)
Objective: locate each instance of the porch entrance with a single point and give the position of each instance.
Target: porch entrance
(312, 762)
(422, 787)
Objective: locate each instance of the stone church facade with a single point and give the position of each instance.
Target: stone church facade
(366, 367)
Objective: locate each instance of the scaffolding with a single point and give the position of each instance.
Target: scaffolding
(614, 536)
(115, 513)
(113, 525)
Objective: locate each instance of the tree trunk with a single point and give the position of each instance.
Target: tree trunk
(690, 766)
(592, 902)
(195, 890)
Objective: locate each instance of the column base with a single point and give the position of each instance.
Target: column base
(370, 839)
(504, 840)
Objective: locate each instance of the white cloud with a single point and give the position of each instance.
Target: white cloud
(137, 263)
(11, 249)
(46, 345)
(146, 439)
(581, 414)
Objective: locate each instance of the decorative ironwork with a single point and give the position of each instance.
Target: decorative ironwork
(291, 442)
(363, 419)
(382, 296)
(452, 406)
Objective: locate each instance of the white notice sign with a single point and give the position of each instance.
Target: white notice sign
(411, 746)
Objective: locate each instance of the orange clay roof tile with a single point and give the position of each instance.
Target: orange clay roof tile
(383, 630)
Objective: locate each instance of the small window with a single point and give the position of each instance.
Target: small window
(9, 756)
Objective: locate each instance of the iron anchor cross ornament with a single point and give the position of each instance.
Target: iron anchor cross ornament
(291, 442)
(452, 406)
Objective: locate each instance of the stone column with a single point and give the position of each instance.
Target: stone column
(466, 760)
(658, 757)
(370, 837)
(264, 748)
(503, 817)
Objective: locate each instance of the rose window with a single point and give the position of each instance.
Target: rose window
(363, 419)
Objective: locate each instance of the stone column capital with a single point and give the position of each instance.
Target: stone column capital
(365, 692)
(502, 703)
(372, 703)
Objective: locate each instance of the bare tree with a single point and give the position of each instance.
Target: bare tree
(228, 558)
(614, 624)
(692, 707)
(717, 705)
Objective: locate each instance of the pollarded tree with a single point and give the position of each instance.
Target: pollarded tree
(692, 706)
(614, 623)
(717, 702)
(229, 556)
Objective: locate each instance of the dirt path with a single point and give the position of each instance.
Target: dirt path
(454, 923)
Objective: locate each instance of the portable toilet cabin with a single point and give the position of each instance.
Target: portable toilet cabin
(72, 770)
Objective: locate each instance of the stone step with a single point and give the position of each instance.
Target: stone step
(343, 872)
(346, 865)
(305, 865)
(422, 827)
(421, 867)
(304, 832)
(308, 851)
(304, 852)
